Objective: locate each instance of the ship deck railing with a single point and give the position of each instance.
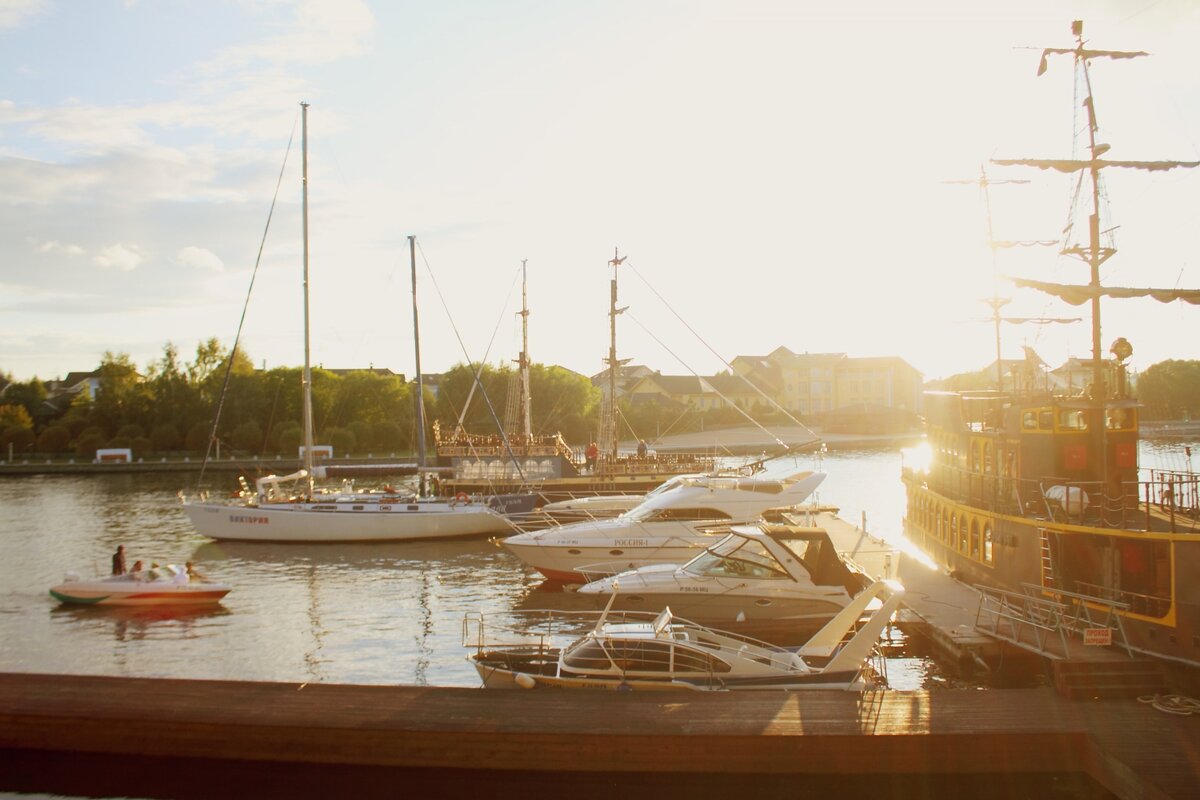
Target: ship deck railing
(1031, 623)
(1088, 612)
(1169, 501)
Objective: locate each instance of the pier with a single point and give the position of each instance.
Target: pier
(172, 738)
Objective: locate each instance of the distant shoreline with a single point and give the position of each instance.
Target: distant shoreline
(732, 441)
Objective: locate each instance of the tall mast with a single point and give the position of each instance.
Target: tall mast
(614, 365)
(307, 378)
(412, 257)
(523, 362)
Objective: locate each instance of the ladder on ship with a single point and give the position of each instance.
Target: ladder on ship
(1047, 559)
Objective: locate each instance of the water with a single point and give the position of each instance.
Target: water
(345, 613)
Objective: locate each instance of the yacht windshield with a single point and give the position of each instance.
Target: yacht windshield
(736, 557)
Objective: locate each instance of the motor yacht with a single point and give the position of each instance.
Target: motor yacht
(668, 527)
(767, 580)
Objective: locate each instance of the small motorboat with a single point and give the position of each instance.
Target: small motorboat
(665, 652)
(766, 581)
(160, 585)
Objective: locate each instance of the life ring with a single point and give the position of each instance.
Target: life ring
(462, 497)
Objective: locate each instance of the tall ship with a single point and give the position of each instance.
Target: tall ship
(1036, 489)
(546, 464)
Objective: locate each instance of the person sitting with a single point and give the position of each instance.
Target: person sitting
(137, 569)
(118, 561)
(194, 574)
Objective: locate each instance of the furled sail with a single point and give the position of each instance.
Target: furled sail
(1078, 295)
(1074, 165)
(1086, 54)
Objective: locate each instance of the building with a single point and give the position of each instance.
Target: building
(812, 384)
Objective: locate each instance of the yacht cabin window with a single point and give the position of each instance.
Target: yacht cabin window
(737, 557)
(667, 514)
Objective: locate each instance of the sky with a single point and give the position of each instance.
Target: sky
(774, 173)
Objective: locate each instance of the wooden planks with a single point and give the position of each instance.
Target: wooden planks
(945, 732)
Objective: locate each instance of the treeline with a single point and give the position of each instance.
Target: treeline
(169, 408)
(1168, 390)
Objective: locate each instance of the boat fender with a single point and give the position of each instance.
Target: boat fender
(462, 497)
(525, 681)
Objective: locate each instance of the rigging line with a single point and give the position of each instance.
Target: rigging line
(759, 391)
(245, 306)
(732, 404)
(463, 347)
(487, 352)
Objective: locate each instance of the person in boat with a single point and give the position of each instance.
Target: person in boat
(137, 567)
(591, 454)
(118, 561)
(195, 574)
(641, 448)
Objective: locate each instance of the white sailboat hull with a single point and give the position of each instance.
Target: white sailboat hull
(343, 522)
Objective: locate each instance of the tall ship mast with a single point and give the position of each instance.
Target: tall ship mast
(1035, 489)
(547, 464)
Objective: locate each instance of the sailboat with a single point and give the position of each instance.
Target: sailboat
(1035, 490)
(546, 462)
(275, 513)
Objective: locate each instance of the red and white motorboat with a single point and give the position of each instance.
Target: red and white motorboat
(160, 585)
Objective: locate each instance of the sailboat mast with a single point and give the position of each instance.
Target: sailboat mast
(307, 378)
(412, 257)
(523, 363)
(613, 364)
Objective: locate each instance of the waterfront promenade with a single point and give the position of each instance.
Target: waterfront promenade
(731, 441)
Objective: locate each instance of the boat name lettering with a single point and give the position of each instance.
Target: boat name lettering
(248, 519)
(700, 589)
(629, 542)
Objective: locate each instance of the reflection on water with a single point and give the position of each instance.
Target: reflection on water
(354, 613)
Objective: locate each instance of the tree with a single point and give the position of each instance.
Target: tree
(247, 437)
(342, 440)
(20, 439)
(165, 437)
(88, 443)
(1171, 389)
(122, 396)
(563, 402)
(15, 416)
(31, 395)
(54, 439)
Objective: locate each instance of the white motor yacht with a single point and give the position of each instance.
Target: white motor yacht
(668, 527)
(762, 580)
(666, 652)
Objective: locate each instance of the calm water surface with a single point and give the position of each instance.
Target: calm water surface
(345, 613)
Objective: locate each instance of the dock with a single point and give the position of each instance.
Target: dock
(944, 609)
(147, 737)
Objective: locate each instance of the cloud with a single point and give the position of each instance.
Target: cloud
(59, 247)
(119, 256)
(14, 12)
(199, 258)
(322, 31)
